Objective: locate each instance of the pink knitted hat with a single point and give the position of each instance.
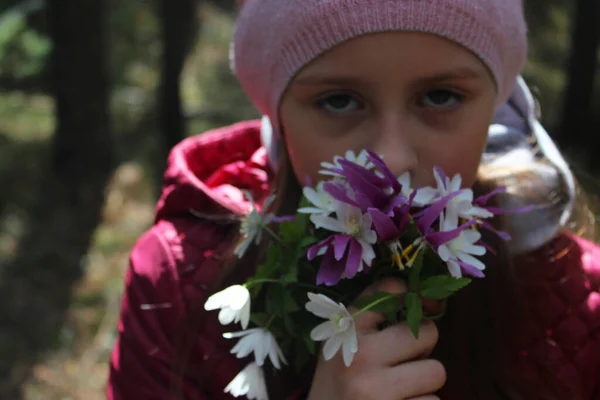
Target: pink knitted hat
(274, 39)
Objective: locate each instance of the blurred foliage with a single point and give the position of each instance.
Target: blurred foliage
(77, 368)
(23, 51)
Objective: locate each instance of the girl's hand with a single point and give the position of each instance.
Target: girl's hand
(390, 364)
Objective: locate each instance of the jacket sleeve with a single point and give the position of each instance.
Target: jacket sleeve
(143, 362)
(146, 363)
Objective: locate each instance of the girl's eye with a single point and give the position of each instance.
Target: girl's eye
(339, 103)
(441, 99)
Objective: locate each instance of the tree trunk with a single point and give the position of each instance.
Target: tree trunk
(577, 118)
(82, 142)
(35, 287)
(179, 24)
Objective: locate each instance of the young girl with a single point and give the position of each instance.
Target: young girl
(423, 83)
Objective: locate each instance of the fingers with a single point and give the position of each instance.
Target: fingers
(367, 321)
(383, 345)
(431, 306)
(417, 378)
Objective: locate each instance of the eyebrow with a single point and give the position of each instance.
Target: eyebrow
(463, 73)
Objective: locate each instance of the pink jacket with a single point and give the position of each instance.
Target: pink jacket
(174, 264)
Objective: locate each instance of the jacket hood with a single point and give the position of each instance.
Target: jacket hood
(209, 173)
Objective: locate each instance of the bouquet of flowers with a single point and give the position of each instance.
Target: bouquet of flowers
(359, 221)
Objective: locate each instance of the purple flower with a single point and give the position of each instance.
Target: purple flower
(459, 252)
(343, 257)
(366, 189)
(349, 249)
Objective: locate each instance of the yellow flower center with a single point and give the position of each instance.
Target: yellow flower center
(405, 258)
(336, 319)
(353, 225)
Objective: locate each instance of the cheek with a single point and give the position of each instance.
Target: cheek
(304, 157)
(306, 149)
(461, 156)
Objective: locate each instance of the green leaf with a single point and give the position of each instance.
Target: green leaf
(414, 307)
(259, 318)
(289, 303)
(274, 300)
(382, 302)
(269, 268)
(441, 286)
(311, 345)
(415, 271)
(301, 356)
(307, 241)
(291, 231)
(294, 231)
(291, 275)
(279, 301)
(289, 324)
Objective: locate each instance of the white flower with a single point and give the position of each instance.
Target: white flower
(260, 342)
(461, 206)
(250, 382)
(461, 249)
(338, 332)
(234, 303)
(253, 224)
(322, 201)
(425, 195)
(350, 221)
(361, 159)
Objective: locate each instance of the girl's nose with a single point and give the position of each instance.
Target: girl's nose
(393, 140)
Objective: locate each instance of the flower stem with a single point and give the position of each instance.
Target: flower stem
(376, 302)
(270, 232)
(258, 281)
(251, 283)
(317, 288)
(269, 322)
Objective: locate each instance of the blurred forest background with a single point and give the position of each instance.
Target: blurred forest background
(93, 94)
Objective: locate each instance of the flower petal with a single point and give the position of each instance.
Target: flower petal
(244, 315)
(313, 251)
(250, 382)
(431, 213)
(331, 270)
(274, 353)
(454, 268)
(471, 270)
(331, 346)
(444, 252)
(385, 228)
(469, 259)
(349, 347)
(482, 200)
(227, 316)
(368, 254)
(340, 242)
(438, 238)
(328, 223)
(425, 196)
(311, 210)
(354, 260)
(323, 331)
(321, 306)
(387, 173)
(440, 178)
(340, 193)
(474, 249)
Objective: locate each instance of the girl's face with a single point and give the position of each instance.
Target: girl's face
(417, 99)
